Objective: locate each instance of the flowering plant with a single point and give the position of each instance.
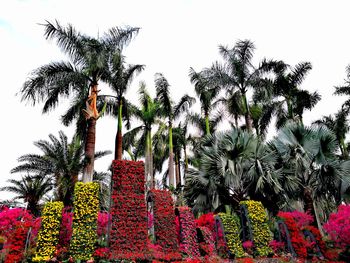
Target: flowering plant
(257, 218)
(86, 205)
(128, 237)
(49, 232)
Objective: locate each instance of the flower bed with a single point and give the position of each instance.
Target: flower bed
(231, 227)
(128, 237)
(49, 232)
(164, 224)
(188, 234)
(258, 221)
(86, 206)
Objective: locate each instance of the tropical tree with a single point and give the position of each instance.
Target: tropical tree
(207, 92)
(30, 189)
(344, 90)
(231, 164)
(60, 161)
(171, 111)
(140, 137)
(79, 77)
(119, 76)
(237, 74)
(309, 155)
(282, 96)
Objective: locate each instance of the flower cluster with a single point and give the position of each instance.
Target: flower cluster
(221, 244)
(66, 227)
(86, 205)
(128, 237)
(296, 237)
(338, 226)
(207, 220)
(49, 232)
(231, 227)
(258, 220)
(164, 220)
(207, 245)
(188, 234)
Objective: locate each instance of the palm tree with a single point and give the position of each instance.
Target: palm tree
(283, 97)
(30, 189)
(309, 154)
(171, 111)
(60, 161)
(231, 164)
(119, 77)
(237, 73)
(140, 137)
(345, 90)
(80, 76)
(207, 93)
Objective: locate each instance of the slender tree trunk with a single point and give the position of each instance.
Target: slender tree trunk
(151, 172)
(309, 204)
(171, 157)
(236, 120)
(207, 125)
(186, 160)
(149, 160)
(290, 109)
(90, 150)
(247, 117)
(177, 172)
(118, 153)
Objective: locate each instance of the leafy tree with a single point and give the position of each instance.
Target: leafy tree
(61, 162)
(119, 76)
(171, 111)
(309, 155)
(282, 96)
(231, 164)
(30, 189)
(88, 59)
(140, 137)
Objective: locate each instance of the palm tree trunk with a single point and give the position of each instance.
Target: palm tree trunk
(309, 204)
(177, 172)
(247, 117)
(171, 157)
(149, 160)
(186, 159)
(153, 184)
(207, 126)
(90, 150)
(118, 152)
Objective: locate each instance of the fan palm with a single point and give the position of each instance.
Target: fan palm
(80, 76)
(309, 155)
(231, 164)
(30, 189)
(171, 111)
(60, 161)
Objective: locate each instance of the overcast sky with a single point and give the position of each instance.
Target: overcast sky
(174, 36)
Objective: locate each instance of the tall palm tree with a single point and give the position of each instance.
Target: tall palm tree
(344, 90)
(309, 154)
(207, 92)
(119, 77)
(30, 189)
(141, 136)
(80, 76)
(231, 164)
(237, 73)
(283, 96)
(60, 161)
(171, 111)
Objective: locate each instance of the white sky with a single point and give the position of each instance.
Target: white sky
(174, 36)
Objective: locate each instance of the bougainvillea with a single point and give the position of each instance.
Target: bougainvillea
(258, 221)
(66, 227)
(207, 220)
(231, 227)
(14, 227)
(49, 232)
(86, 205)
(338, 226)
(221, 244)
(128, 237)
(296, 237)
(302, 219)
(188, 234)
(164, 222)
(207, 245)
